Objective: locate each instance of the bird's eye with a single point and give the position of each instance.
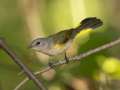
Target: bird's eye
(37, 43)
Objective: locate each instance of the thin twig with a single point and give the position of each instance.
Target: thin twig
(76, 58)
(17, 60)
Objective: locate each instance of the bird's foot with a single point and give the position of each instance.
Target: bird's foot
(66, 58)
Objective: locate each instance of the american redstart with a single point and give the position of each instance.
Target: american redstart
(59, 42)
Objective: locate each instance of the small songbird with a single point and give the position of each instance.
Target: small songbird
(59, 42)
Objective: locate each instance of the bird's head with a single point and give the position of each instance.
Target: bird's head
(39, 44)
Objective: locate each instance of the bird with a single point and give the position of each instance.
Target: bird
(60, 42)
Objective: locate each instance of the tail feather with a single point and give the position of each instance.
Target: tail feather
(91, 22)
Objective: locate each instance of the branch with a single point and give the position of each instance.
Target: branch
(73, 59)
(17, 60)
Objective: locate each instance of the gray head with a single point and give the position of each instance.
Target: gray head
(39, 44)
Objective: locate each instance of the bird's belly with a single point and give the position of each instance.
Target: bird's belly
(54, 50)
(58, 49)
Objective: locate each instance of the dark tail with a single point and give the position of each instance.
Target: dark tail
(91, 22)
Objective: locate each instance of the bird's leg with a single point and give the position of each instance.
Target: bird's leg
(66, 58)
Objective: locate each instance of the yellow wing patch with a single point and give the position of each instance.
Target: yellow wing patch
(59, 46)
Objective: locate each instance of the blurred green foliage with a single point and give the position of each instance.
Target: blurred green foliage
(57, 15)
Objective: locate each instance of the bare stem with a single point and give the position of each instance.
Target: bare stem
(17, 60)
(76, 58)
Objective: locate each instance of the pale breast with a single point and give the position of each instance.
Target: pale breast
(58, 49)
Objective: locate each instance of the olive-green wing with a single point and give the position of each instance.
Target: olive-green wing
(62, 37)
